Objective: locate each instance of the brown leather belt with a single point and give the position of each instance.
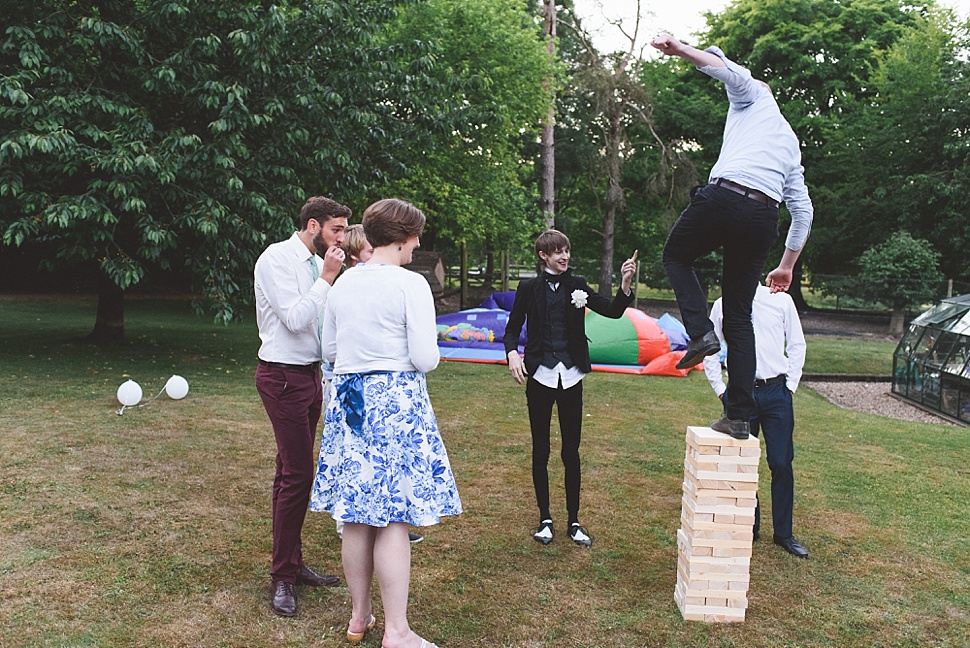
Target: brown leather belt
(747, 192)
(310, 368)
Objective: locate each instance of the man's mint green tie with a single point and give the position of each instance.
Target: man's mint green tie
(316, 275)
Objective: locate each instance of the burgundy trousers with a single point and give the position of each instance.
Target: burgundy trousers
(292, 399)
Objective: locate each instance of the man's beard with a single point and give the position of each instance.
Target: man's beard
(319, 245)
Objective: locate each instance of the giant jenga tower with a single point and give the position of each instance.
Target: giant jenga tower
(714, 540)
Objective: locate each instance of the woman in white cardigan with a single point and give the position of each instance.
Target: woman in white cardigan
(383, 465)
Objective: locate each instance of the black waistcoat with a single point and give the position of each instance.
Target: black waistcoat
(555, 343)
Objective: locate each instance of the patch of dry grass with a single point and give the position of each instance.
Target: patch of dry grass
(152, 528)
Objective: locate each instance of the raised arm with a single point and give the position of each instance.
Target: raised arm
(670, 46)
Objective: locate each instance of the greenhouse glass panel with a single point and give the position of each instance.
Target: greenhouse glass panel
(940, 353)
(956, 364)
(931, 389)
(926, 344)
(964, 413)
(910, 339)
(950, 396)
(931, 363)
(901, 368)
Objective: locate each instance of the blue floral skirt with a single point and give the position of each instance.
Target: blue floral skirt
(382, 459)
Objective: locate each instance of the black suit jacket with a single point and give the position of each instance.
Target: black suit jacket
(530, 308)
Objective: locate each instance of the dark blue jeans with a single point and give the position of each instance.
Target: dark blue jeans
(745, 230)
(777, 419)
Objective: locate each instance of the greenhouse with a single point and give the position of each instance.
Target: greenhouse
(930, 365)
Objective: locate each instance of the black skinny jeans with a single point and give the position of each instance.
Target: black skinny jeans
(570, 404)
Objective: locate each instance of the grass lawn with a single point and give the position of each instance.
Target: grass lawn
(153, 529)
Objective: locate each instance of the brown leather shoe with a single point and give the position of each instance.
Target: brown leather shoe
(309, 577)
(284, 599)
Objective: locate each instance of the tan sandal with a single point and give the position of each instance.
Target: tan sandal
(357, 637)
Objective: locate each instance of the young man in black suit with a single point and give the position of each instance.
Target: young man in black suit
(553, 307)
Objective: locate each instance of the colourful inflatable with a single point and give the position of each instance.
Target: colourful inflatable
(635, 344)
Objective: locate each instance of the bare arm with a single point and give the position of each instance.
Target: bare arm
(670, 46)
(779, 279)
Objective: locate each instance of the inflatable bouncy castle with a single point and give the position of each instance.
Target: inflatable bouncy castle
(635, 344)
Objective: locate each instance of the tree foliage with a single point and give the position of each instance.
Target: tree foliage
(187, 132)
(492, 68)
(901, 272)
(901, 158)
(616, 177)
(876, 89)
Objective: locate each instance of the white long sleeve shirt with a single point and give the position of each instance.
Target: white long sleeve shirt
(380, 318)
(760, 150)
(290, 298)
(779, 341)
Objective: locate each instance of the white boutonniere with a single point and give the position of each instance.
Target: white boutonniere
(579, 298)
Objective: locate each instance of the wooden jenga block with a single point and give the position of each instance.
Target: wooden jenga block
(714, 541)
(713, 496)
(712, 509)
(689, 525)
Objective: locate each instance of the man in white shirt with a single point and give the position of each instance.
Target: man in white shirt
(291, 284)
(759, 167)
(777, 330)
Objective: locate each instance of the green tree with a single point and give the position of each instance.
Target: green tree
(470, 173)
(613, 170)
(901, 157)
(817, 56)
(902, 273)
(186, 133)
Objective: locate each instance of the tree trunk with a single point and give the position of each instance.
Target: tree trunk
(897, 322)
(547, 156)
(463, 300)
(489, 278)
(109, 326)
(795, 290)
(613, 199)
(609, 226)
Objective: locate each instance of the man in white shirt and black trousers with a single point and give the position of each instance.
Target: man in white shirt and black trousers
(780, 347)
(291, 284)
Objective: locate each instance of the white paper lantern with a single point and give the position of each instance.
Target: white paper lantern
(177, 387)
(129, 393)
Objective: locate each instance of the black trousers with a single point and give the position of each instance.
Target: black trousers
(570, 407)
(744, 230)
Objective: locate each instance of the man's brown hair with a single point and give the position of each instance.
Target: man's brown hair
(392, 220)
(551, 241)
(322, 209)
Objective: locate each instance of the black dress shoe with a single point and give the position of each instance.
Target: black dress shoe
(543, 534)
(578, 535)
(792, 546)
(309, 577)
(699, 349)
(284, 599)
(737, 428)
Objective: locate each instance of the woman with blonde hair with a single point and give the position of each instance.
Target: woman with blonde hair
(382, 464)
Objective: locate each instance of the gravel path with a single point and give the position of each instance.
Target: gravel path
(873, 398)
